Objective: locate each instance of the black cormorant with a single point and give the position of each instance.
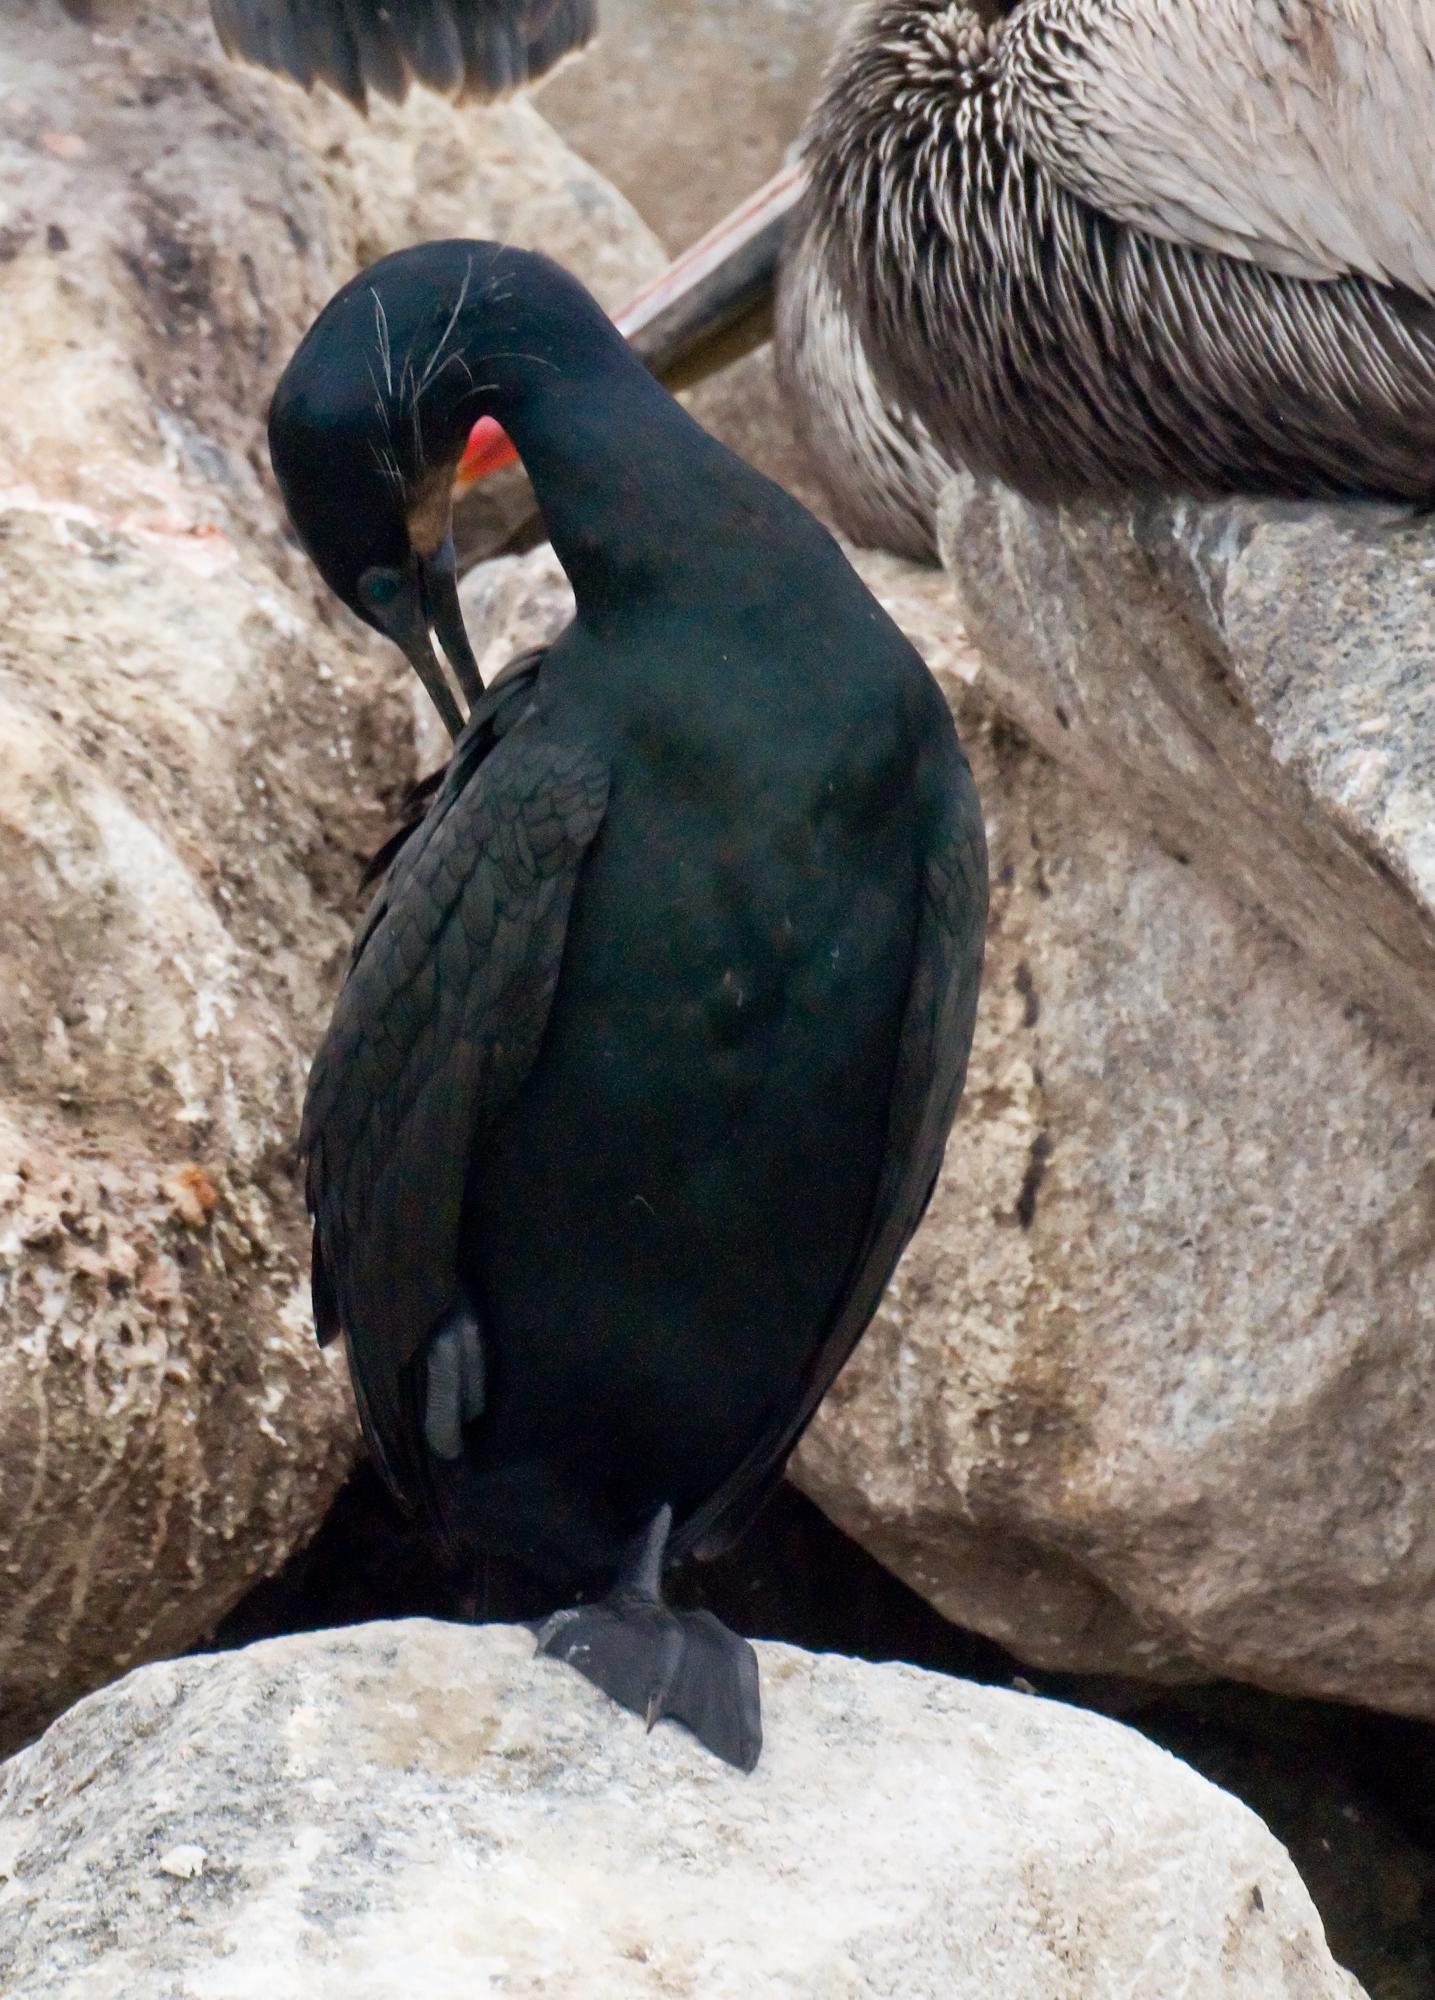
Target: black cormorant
(642, 1071)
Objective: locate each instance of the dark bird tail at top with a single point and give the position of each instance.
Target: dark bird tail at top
(461, 48)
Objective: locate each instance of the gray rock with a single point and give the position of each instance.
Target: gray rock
(688, 106)
(1148, 1393)
(431, 1808)
(1252, 683)
(194, 751)
(499, 171)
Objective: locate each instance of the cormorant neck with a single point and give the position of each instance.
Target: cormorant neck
(630, 488)
(633, 493)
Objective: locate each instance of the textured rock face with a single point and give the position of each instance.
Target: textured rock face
(1148, 1393)
(193, 752)
(429, 1808)
(428, 171)
(1249, 682)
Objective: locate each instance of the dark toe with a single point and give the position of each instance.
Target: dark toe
(657, 1663)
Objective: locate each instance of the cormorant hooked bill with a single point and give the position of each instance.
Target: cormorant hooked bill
(641, 1075)
(463, 48)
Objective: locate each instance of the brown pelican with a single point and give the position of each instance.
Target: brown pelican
(1113, 245)
(1097, 246)
(464, 48)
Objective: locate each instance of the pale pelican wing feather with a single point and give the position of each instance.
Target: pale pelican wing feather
(1297, 134)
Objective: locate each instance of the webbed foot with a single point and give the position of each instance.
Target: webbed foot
(658, 1662)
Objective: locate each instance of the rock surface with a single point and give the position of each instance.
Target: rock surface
(194, 750)
(1252, 683)
(425, 1807)
(1147, 1395)
(688, 107)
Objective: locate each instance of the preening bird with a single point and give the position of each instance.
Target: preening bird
(464, 48)
(1111, 246)
(644, 1065)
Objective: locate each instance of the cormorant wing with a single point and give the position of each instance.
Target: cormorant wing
(1297, 134)
(435, 1029)
(504, 700)
(931, 1068)
(464, 48)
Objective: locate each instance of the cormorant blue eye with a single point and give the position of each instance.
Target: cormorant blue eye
(379, 587)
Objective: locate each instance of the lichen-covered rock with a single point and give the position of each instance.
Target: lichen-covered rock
(194, 750)
(1251, 684)
(431, 1808)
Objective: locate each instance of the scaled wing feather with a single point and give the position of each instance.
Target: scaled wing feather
(438, 1023)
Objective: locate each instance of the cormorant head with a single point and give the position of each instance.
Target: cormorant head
(366, 429)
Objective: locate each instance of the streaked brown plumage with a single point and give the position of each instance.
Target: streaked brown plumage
(1114, 245)
(875, 458)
